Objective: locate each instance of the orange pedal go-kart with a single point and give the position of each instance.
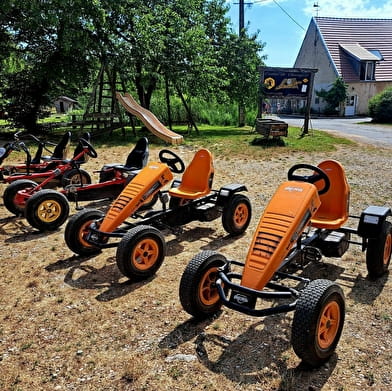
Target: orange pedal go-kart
(141, 245)
(303, 221)
(47, 209)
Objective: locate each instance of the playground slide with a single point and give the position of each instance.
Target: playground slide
(149, 119)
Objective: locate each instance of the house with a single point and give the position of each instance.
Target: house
(64, 104)
(358, 50)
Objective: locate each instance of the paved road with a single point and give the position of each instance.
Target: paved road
(358, 129)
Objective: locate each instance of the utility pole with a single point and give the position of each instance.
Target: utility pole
(241, 108)
(242, 17)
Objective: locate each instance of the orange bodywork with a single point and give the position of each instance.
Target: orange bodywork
(283, 221)
(143, 186)
(197, 178)
(334, 209)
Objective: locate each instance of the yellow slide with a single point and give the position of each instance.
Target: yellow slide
(149, 119)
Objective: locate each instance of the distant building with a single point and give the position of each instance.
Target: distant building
(357, 50)
(64, 104)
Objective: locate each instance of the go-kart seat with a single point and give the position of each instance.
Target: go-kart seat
(61, 150)
(197, 178)
(333, 211)
(79, 148)
(136, 160)
(138, 157)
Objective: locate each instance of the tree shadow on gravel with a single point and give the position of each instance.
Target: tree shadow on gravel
(107, 278)
(366, 291)
(258, 355)
(19, 230)
(203, 234)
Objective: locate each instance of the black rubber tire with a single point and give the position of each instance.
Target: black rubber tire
(141, 252)
(76, 227)
(198, 295)
(236, 214)
(47, 210)
(72, 177)
(10, 192)
(378, 253)
(318, 322)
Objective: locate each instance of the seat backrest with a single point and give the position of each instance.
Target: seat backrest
(79, 148)
(61, 149)
(334, 208)
(198, 176)
(138, 157)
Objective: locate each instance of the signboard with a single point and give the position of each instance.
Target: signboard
(286, 82)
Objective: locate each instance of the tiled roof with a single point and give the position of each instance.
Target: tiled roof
(369, 34)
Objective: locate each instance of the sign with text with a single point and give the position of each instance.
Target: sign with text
(286, 82)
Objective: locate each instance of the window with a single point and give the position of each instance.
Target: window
(367, 70)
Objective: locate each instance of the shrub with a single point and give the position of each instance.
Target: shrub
(380, 106)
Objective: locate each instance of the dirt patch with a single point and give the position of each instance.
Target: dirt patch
(75, 323)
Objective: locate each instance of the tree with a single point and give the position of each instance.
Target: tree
(335, 96)
(380, 106)
(57, 45)
(54, 45)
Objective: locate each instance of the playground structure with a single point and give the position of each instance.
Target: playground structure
(149, 119)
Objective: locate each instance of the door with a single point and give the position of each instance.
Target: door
(351, 103)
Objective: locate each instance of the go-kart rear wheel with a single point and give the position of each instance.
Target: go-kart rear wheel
(318, 322)
(141, 252)
(76, 230)
(378, 253)
(47, 210)
(75, 177)
(10, 195)
(236, 214)
(199, 295)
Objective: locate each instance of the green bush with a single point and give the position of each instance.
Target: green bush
(380, 106)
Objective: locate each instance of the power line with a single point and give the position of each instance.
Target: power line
(286, 12)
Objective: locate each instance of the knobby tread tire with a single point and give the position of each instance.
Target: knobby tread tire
(306, 320)
(73, 228)
(191, 279)
(128, 244)
(377, 261)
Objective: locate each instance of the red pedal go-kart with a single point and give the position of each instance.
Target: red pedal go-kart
(47, 209)
(303, 221)
(54, 171)
(36, 164)
(141, 245)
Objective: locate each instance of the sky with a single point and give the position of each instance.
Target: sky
(281, 24)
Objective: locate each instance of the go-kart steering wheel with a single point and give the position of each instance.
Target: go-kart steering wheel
(174, 162)
(318, 175)
(90, 150)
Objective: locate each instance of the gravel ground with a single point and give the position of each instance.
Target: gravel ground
(75, 323)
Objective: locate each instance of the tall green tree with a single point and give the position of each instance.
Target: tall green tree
(55, 46)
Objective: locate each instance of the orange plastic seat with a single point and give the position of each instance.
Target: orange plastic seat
(197, 178)
(334, 209)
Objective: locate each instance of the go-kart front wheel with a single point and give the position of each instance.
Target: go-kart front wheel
(318, 322)
(10, 195)
(76, 230)
(199, 295)
(47, 210)
(378, 253)
(141, 252)
(236, 214)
